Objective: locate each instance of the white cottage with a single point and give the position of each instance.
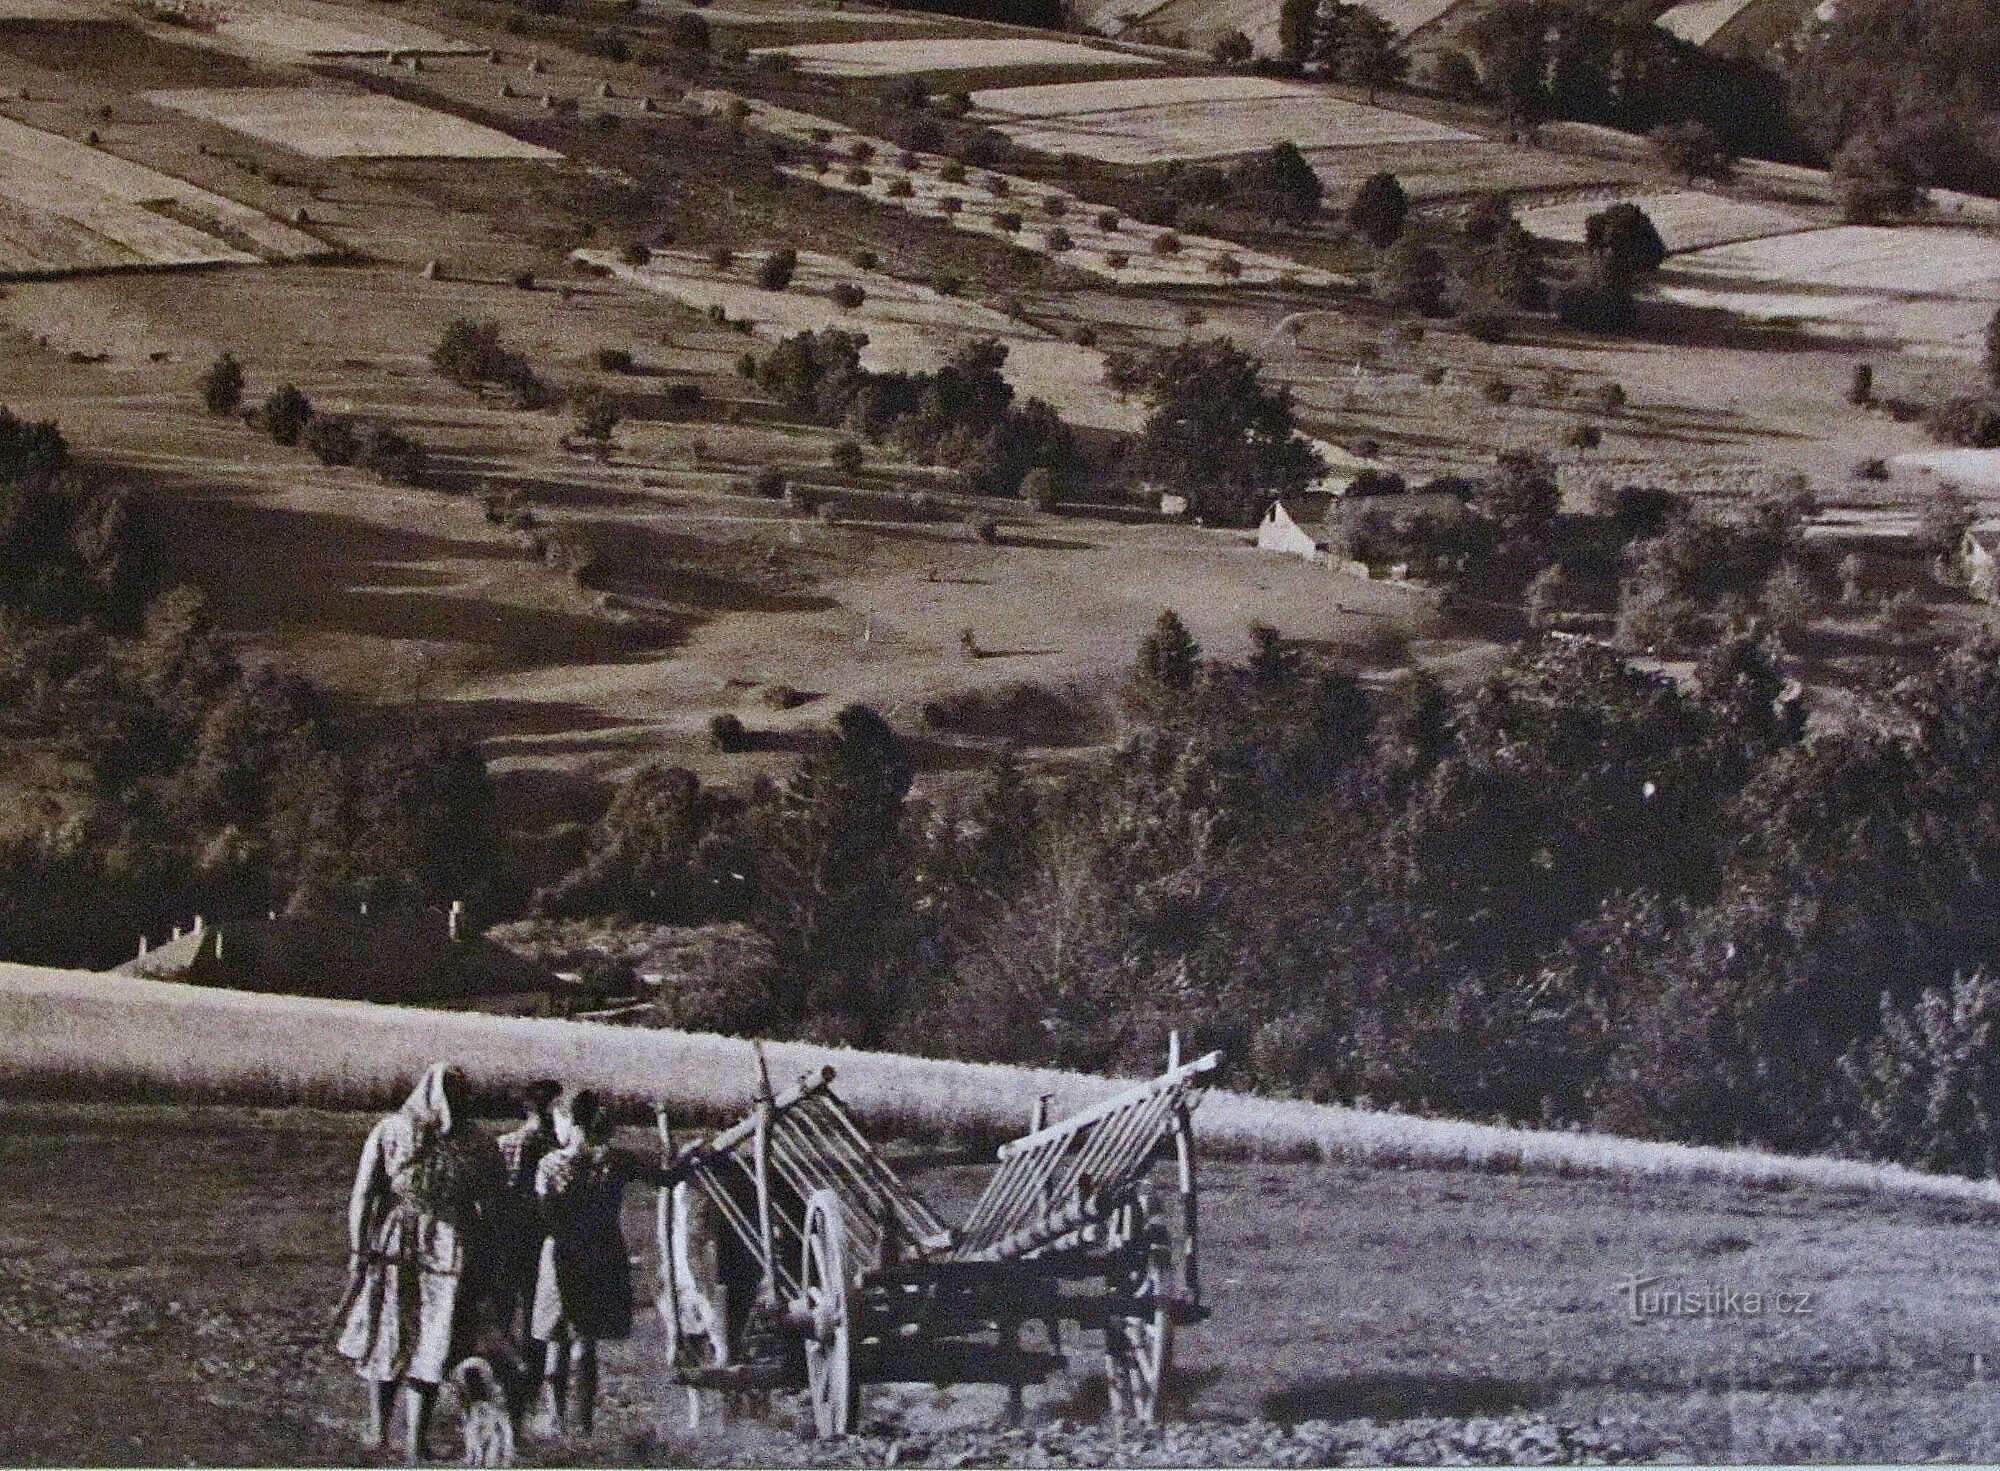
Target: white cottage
(1296, 525)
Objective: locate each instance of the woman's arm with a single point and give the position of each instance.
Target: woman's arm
(371, 1180)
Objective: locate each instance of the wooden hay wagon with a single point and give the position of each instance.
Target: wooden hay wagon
(858, 1280)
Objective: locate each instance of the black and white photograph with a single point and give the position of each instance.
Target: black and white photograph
(999, 733)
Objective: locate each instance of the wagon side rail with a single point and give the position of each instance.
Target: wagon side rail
(760, 1172)
(1058, 1180)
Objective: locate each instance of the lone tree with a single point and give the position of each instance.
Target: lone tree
(775, 274)
(1694, 151)
(286, 413)
(1216, 435)
(1991, 357)
(1369, 53)
(1379, 209)
(1521, 493)
(222, 386)
(1624, 243)
(1298, 29)
(1169, 660)
(1280, 183)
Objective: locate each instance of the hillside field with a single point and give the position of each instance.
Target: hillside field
(1449, 1309)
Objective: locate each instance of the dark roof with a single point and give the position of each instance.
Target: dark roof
(397, 955)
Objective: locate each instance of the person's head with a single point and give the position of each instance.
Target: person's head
(538, 1099)
(439, 1100)
(578, 1116)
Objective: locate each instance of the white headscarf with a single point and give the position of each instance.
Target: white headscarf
(429, 1105)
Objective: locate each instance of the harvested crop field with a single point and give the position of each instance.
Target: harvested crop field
(1140, 122)
(900, 58)
(323, 123)
(1932, 289)
(305, 28)
(1431, 171)
(1687, 219)
(115, 55)
(68, 207)
(909, 327)
(1697, 20)
(1362, 1316)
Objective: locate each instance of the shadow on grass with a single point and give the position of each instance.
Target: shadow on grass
(1401, 1397)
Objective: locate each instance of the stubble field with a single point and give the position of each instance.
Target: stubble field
(1360, 1316)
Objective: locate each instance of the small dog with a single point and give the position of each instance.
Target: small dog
(489, 1432)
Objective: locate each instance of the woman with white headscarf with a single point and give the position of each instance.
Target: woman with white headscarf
(428, 1180)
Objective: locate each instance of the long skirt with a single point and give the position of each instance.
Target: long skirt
(408, 1318)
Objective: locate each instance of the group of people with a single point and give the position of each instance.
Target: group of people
(468, 1248)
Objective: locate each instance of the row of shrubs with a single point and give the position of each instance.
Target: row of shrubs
(288, 416)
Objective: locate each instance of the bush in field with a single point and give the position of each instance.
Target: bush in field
(596, 416)
(726, 730)
(776, 270)
(1692, 150)
(1972, 421)
(722, 258)
(636, 253)
(1058, 240)
(1279, 183)
(996, 185)
(1411, 276)
(951, 204)
(614, 359)
(948, 283)
(222, 386)
(285, 414)
(470, 354)
(901, 189)
(688, 33)
(859, 177)
(1007, 220)
(847, 296)
(846, 457)
(866, 260)
(951, 171)
(395, 456)
(331, 440)
(1378, 210)
(1166, 244)
(770, 483)
(1108, 220)
(1623, 242)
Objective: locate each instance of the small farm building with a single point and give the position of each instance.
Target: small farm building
(1295, 525)
(414, 956)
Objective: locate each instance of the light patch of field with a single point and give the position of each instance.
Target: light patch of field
(1123, 254)
(81, 1028)
(1931, 289)
(1697, 20)
(324, 123)
(68, 207)
(1204, 20)
(1970, 469)
(897, 58)
(306, 28)
(1140, 122)
(909, 327)
(58, 10)
(1687, 219)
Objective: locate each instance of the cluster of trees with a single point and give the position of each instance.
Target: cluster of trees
(183, 780)
(1277, 184)
(1901, 95)
(289, 417)
(1577, 893)
(963, 414)
(1351, 43)
(1491, 269)
(1543, 59)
